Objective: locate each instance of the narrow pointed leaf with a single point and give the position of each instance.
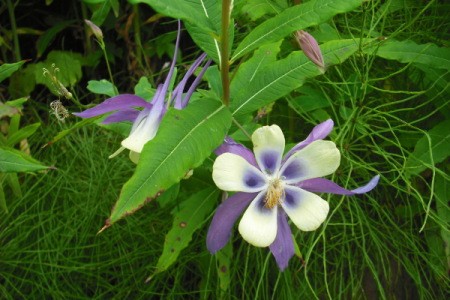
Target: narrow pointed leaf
(12, 160)
(7, 70)
(279, 78)
(410, 52)
(294, 18)
(22, 134)
(193, 214)
(185, 138)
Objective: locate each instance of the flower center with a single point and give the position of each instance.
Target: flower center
(274, 193)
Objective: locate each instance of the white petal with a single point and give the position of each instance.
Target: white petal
(232, 172)
(318, 159)
(258, 225)
(268, 146)
(144, 132)
(307, 210)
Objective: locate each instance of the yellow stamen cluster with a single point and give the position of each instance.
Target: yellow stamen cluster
(275, 192)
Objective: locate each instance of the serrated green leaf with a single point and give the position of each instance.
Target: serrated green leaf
(12, 160)
(186, 221)
(294, 18)
(410, 52)
(48, 36)
(435, 144)
(102, 87)
(185, 138)
(281, 77)
(6, 70)
(22, 134)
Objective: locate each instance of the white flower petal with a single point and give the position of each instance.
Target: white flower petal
(307, 210)
(258, 225)
(268, 146)
(232, 172)
(318, 159)
(144, 132)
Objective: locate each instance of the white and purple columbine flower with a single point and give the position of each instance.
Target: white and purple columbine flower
(146, 121)
(270, 187)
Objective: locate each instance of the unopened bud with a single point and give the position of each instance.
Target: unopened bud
(311, 48)
(95, 29)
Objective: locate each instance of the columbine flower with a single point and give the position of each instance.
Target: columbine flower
(146, 121)
(311, 48)
(272, 187)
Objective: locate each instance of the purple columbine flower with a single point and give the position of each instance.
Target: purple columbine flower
(146, 121)
(271, 187)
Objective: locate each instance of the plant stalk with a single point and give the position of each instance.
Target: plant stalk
(225, 51)
(12, 18)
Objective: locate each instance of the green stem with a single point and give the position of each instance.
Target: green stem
(225, 52)
(12, 18)
(137, 35)
(87, 40)
(102, 45)
(242, 128)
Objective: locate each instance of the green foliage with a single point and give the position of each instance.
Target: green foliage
(12, 160)
(102, 87)
(431, 149)
(186, 221)
(7, 70)
(294, 18)
(179, 146)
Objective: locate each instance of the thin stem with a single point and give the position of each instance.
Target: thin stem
(12, 18)
(102, 45)
(242, 128)
(225, 52)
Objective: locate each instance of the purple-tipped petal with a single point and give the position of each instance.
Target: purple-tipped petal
(128, 114)
(231, 146)
(322, 185)
(283, 246)
(178, 91)
(120, 102)
(193, 86)
(227, 213)
(172, 66)
(319, 132)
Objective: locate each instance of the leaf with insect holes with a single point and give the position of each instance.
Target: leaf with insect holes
(192, 215)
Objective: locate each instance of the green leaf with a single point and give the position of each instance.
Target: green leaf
(310, 99)
(2, 198)
(69, 72)
(442, 192)
(10, 108)
(256, 9)
(194, 12)
(435, 144)
(101, 12)
(410, 52)
(12, 160)
(224, 257)
(48, 36)
(294, 18)
(6, 70)
(185, 138)
(191, 217)
(102, 87)
(144, 89)
(22, 134)
(281, 77)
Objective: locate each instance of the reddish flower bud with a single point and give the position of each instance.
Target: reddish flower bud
(311, 48)
(95, 29)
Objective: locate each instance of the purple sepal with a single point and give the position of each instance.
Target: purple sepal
(283, 246)
(119, 102)
(129, 114)
(219, 231)
(231, 146)
(319, 132)
(322, 185)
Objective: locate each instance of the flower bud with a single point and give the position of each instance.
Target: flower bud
(311, 48)
(95, 29)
